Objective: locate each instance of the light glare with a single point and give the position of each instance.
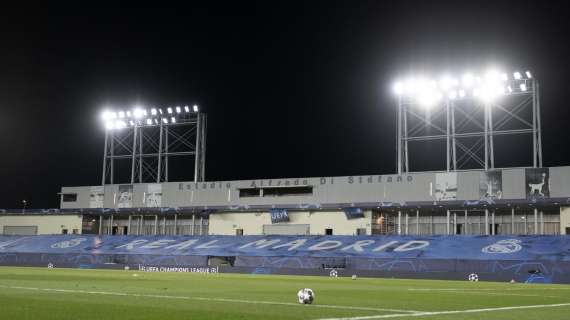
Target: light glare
(517, 75)
(195, 108)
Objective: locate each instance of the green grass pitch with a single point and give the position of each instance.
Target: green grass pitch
(41, 293)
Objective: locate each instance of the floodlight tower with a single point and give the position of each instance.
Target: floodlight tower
(148, 138)
(468, 113)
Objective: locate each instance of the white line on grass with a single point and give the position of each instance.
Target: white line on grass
(437, 313)
(114, 293)
(487, 292)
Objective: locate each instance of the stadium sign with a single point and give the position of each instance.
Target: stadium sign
(144, 268)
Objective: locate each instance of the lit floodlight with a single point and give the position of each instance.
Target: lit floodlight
(120, 124)
(131, 122)
(138, 113)
(149, 121)
(109, 125)
(517, 75)
(155, 121)
(160, 111)
(129, 114)
(462, 93)
(172, 120)
(467, 80)
(476, 92)
(453, 95)
(195, 108)
(153, 111)
(504, 77)
(178, 110)
(121, 114)
(164, 120)
(108, 115)
(169, 109)
(528, 74)
(492, 76)
(145, 113)
(410, 86)
(510, 89)
(500, 90)
(398, 88)
(187, 109)
(445, 83)
(523, 87)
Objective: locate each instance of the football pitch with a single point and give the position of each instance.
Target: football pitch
(41, 293)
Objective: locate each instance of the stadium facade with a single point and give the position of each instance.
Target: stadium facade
(521, 201)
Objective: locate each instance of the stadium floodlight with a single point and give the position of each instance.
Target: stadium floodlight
(510, 89)
(129, 114)
(169, 110)
(523, 87)
(398, 88)
(467, 80)
(187, 109)
(160, 111)
(145, 113)
(132, 123)
(178, 110)
(462, 93)
(121, 114)
(195, 108)
(504, 77)
(164, 120)
(153, 111)
(155, 121)
(138, 113)
(149, 121)
(528, 74)
(109, 125)
(172, 120)
(453, 95)
(517, 75)
(120, 124)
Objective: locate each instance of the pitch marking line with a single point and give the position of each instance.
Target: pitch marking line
(114, 293)
(481, 292)
(437, 313)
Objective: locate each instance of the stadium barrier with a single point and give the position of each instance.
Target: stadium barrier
(497, 258)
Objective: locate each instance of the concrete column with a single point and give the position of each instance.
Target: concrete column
(175, 223)
(454, 223)
(493, 229)
(487, 222)
(407, 223)
(541, 222)
(164, 225)
(512, 220)
(110, 224)
(535, 221)
(193, 223)
(399, 222)
(465, 225)
(100, 225)
(155, 224)
(417, 221)
(139, 225)
(130, 221)
(201, 224)
(447, 224)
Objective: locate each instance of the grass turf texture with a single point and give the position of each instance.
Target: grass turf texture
(39, 293)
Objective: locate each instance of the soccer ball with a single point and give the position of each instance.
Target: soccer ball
(306, 296)
(473, 277)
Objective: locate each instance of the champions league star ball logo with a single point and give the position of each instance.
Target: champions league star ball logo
(68, 243)
(503, 246)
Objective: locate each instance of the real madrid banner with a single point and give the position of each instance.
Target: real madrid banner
(553, 248)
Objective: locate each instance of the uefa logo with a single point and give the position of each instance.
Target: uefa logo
(68, 243)
(503, 246)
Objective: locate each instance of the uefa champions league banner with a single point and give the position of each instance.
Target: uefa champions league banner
(552, 248)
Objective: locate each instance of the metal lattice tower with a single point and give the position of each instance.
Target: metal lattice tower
(467, 120)
(149, 141)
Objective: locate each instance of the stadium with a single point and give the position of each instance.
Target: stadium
(478, 238)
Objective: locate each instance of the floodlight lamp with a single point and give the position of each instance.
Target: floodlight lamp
(523, 87)
(149, 121)
(129, 114)
(462, 93)
(453, 95)
(153, 111)
(138, 113)
(476, 92)
(528, 74)
(169, 109)
(120, 124)
(195, 108)
(160, 111)
(178, 110)
(510, 89)
(445, 83)
(504, 77)
(492, 76)
(187, 109)
(145, 113)
(172, 120)
(108, 115)
(164, 120)
(398, 88)
(131, 122)
(109, 125)
(155, 121)
(467, 80)
(121, 114)
(517, 75)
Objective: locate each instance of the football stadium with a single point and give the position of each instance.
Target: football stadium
(485, 236)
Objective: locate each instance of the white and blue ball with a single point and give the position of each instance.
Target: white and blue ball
(306, 296)
(473, 277)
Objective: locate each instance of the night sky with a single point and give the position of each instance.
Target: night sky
(291, 90)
